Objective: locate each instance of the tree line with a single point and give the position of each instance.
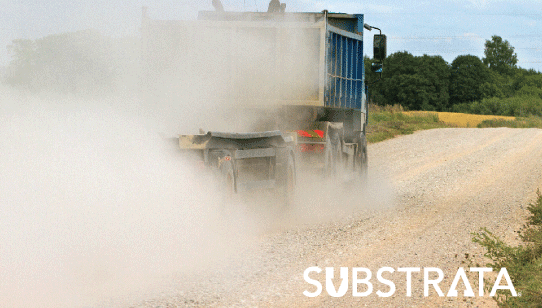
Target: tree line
(491, 85)
(82, 62)
(86, 62)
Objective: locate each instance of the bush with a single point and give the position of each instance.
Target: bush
(524, 263)
(529, 122)
(517, 106)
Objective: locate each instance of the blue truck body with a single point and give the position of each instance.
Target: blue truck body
(308, 68)
(339, 46)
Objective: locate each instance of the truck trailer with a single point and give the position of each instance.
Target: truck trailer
(298, 76)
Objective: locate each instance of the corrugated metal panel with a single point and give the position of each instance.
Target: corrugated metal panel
(257, 58)
(345, 68)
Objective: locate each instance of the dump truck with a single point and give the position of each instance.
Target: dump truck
(298, 78)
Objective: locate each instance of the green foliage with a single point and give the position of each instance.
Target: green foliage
(410, 90)
(499, 55)
(529, 84)
(373, 83)
(517, 106)
(519, 94)
(498, 85)
(417, 83)
(467, 85)
(468, 80)
(437, 71)
(530, 91)
(401, 63)
(523, 263)
(529, 122)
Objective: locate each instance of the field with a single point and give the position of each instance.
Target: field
(461, 119)
(390, 121)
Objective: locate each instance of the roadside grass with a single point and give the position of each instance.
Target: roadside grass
(523, 263)
(390, 121)
(386, 122)
(529, 122)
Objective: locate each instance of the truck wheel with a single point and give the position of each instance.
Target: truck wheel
(361, 160)
(228, 175)
(288, 186)
(333, 160)
(339, 160)
(328, 160)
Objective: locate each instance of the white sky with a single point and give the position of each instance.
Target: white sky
(447, 27)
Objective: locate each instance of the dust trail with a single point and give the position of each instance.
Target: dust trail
(96, 210)
(320, 200)
(94, 207)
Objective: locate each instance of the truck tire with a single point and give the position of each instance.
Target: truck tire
(361, 159)
(288, 184)
(328, 160)
(228, 175)
(333, 159)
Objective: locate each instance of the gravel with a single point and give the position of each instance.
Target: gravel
(427, 193)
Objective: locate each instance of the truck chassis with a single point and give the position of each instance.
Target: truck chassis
(310, 68)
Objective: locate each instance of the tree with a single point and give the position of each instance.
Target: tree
(468, 74)
(411, 91)
(417, 83)
(23, 62)
(373, 83)
(82, 62)
(532, 80)
(530, 86)
(395, 88)
(437, 71)
(400, 63)
(499, 55)
(382, 91)
(498, 85)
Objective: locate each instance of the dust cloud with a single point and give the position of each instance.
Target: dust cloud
(96, 209)
(228, 78)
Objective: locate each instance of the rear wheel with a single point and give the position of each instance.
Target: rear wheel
(333, 159)
(361, 159)
(228, 175)
(288, 185)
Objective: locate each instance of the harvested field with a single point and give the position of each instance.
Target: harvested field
(461, 119)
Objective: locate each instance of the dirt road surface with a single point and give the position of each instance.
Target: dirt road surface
(427, 193)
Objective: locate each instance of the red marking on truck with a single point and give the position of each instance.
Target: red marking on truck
(311, 133)
(319, 132)
(303, 133)
(314, 148)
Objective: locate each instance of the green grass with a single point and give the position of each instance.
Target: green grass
(528, 122)
(523, 263)
(390, 121)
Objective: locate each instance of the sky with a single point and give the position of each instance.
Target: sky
(448, 27)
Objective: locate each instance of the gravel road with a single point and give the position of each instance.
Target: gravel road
(428, 191)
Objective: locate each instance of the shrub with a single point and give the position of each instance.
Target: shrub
(524, 262)
(517, 106)
(529, 122)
